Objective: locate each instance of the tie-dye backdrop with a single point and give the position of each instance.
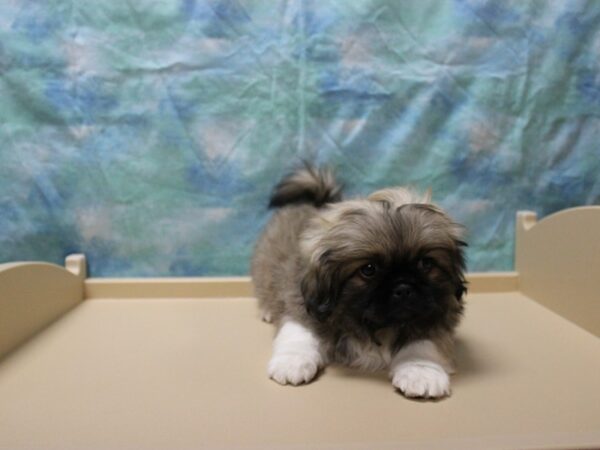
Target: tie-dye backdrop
(148, 134)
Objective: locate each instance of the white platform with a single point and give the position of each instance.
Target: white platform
(190, 372)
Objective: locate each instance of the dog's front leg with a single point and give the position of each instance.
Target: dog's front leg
(297, 354)
(419, 369)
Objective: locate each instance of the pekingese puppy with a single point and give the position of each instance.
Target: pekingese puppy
(373, 283)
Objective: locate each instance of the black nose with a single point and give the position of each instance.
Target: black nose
(404, 291)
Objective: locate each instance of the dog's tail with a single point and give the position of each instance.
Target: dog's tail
(308, 184)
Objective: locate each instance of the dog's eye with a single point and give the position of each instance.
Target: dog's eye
(368, 270)
(425, 264)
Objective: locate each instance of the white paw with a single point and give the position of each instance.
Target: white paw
(292, 368)
(422, 379)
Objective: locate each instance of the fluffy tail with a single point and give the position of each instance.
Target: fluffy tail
(309, 184)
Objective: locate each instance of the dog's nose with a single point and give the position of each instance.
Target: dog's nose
(404, 291)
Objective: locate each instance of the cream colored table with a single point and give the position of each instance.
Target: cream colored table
(181, 363)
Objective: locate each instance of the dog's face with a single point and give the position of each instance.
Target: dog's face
(383, 262)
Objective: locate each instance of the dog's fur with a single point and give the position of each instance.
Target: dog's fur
(371, 283)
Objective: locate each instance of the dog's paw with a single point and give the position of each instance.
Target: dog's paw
(292, 368)
(422, 380)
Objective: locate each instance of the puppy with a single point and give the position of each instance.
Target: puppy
(373, 283)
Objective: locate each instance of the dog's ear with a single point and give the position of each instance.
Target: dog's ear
(460, 283)
(320, 289)
(460, 289)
